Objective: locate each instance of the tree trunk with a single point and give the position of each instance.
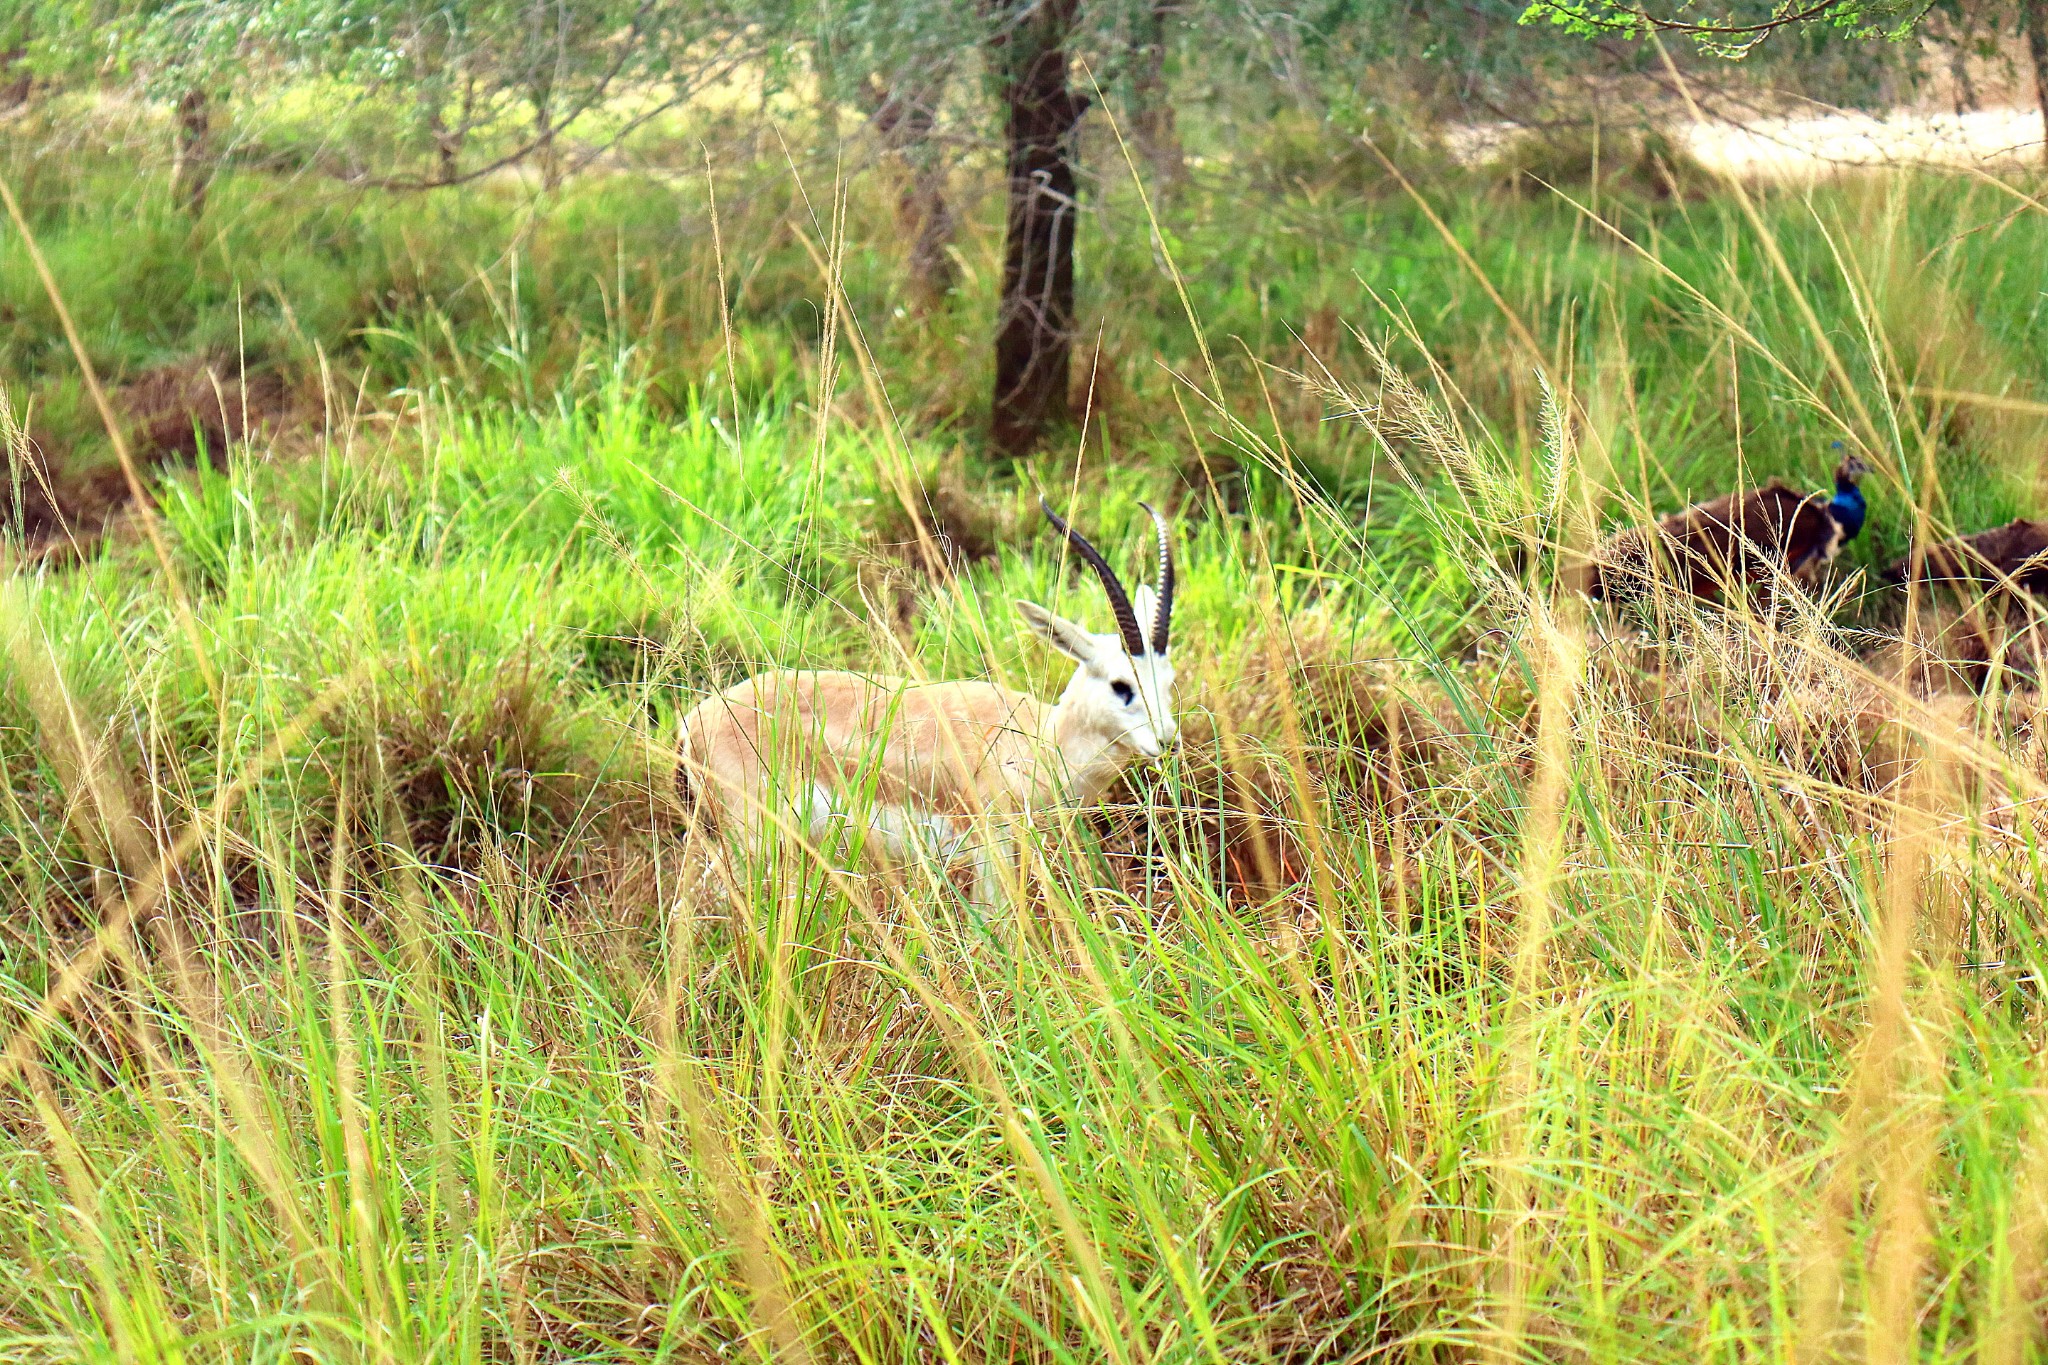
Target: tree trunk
(192, 168)
(465, 119)
(445, 146)
(448, 140)
(932, 272)
(1959, 76)
(1152, 121)
(1035, 322)
(544, 131)
(447, 149)
(2034, 18)
(904, 119)
(433, 78)
(825, 73)
(16, 84)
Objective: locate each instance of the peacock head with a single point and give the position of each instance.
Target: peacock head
(1848, 506)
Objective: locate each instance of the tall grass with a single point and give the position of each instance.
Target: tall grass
(353, 296)
(1478, 982)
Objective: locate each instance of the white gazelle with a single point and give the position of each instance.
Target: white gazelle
(932, 770)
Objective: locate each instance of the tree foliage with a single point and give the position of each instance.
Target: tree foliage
(1729, 28)
(460, 88)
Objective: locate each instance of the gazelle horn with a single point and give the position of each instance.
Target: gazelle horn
(1162, 625)
(1119, 601)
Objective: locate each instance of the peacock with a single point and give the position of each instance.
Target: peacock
(1978, 616)
(2014, 555)
(1745, 539)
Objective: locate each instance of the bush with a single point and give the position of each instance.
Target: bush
(1638, 163)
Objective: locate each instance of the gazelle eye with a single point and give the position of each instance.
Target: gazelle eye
(1124, 695)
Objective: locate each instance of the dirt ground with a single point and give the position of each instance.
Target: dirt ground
(170, 416)
(1798, 147)
(1807, 146)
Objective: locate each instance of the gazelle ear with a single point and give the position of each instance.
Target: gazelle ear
(1063, 635)
(1147, 604)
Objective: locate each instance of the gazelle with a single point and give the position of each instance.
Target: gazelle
(932, 769)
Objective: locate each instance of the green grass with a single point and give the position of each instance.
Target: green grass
(1681, 315)
(1476, 983)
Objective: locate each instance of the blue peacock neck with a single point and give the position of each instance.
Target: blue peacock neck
(1847, 506)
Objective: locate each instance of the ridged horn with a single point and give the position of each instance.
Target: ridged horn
(1112, 587)
(1162, 624)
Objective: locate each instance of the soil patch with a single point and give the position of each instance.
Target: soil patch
(952, 530)
(170, 415)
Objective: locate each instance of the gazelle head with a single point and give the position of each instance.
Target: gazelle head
(1121, 694)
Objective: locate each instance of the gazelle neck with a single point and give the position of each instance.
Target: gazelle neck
(1079, 765)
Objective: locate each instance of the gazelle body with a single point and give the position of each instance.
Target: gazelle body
(934, 770)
